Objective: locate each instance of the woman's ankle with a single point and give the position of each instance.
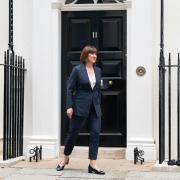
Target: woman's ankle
(66, 158)
(93, 162)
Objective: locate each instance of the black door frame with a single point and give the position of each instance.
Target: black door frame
(63, 131)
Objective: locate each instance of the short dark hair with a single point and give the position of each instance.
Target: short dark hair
(86, 50)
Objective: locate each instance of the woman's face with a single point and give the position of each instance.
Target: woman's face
(92, 58)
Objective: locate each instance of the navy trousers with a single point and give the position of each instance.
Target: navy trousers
(75, 125)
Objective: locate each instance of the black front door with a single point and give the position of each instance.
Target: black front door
(106, 30)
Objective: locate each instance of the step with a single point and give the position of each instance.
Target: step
(103, 152)
(1, 154)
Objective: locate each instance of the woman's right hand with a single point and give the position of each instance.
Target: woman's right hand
(69, 112)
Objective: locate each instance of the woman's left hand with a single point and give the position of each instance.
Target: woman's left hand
(69, 112)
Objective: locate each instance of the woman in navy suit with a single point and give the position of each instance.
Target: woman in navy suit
(83, 102)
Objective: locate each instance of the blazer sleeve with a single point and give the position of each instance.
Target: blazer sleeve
(71, 85)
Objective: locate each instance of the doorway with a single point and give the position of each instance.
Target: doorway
(107, 31)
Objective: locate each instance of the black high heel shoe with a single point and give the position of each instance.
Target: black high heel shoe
(92, 170)
(59, 168)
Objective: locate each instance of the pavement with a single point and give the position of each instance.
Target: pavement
(116, 169)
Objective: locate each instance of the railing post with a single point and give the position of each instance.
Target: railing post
(162, 91)
(178, 103)
(169, 105)
(5, 109)
(11, 25)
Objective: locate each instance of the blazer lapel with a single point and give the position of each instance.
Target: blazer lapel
(86, 74)
(87, 77)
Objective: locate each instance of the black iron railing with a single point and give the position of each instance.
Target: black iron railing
(166, 101)
(14, 69)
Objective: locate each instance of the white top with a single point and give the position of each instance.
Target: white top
(92, 80)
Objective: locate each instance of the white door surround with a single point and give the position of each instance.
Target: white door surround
(139, 94)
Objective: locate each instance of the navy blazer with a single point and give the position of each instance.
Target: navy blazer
(79, 92)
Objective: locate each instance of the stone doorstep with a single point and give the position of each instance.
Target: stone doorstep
(164, 167)
(10, 162)
(103, 152)
(1, 155)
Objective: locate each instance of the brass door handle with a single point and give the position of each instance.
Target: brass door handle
(110, 82)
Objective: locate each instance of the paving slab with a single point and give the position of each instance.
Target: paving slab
(77, 169)
(85, 175)
(11, 162)
(35, 171)
(164, 167)
(4, 172)
(30, 177)
(77, 163)
(152, 176)
(51, 174)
